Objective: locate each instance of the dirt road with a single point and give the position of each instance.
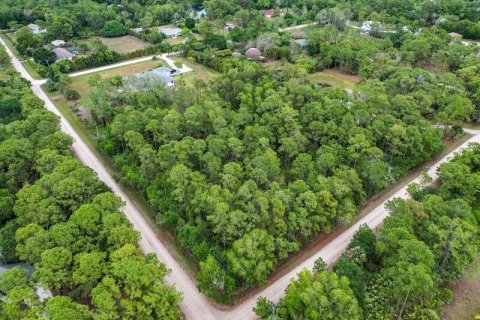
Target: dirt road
(195, 305)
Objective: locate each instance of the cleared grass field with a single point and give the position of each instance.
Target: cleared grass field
(199, 71)
(466, 296)
(334, 78)
(81, 83)
(124, 44)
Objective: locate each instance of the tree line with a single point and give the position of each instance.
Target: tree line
(57, 216)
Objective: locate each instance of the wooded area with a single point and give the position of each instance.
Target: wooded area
(249, 167)
(405, 270)
(59, 218)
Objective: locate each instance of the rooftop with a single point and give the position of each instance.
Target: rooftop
(62, 53)
(301, 42)
(171, 31)
(455, 35)
(162, 73)
(58, 43)
(33, 26)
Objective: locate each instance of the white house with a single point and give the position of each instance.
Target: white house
(58, 43)
(366, 26)
(197, 14)
(35, 28)
(171, 32)
(157, 76)
(137, 30)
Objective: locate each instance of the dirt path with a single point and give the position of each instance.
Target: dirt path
(195, 305)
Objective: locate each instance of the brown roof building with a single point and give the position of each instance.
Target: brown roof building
(253, 54)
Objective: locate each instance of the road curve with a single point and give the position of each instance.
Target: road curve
(300, 26)
(194, 305)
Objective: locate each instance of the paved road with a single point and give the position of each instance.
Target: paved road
(300, 26)
(111, 66)
(164, 57)
(195, 305)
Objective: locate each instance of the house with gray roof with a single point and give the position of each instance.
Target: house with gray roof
(63, 53)
(157, 76)
(302, 43)
(171, 32)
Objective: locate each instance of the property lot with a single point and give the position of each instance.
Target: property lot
(334, 78)
(466, 296)
(81, 83)
(124, 44)
(199, 71)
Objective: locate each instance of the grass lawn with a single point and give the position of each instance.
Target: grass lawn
(8, 40)
(81, 83)
(199, 71)
(30, 67)
(175, 41)
(466, 296)
(124, 44)
(334, 78)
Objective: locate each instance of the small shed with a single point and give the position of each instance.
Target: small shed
(268, 13)
(58, 43)
(197, 13)
(229, 26)
(171, 32)
(302, 43)
(366, 26)
(137, 30)
(42, 292)
(237, 54)
(253, 54)
(35, 28)
(455, 35)
(63, 53)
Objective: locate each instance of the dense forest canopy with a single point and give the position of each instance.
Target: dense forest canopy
(249, 167)
(59, 218)
(405, 270)
(75, 18)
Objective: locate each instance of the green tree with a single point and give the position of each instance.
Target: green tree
(213, 279)
(27, 42)
(113, 28)
(322, 295)
(44, 56)
(252, 257)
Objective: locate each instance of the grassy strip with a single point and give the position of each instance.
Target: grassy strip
(29, 65)
(139, 201)
(10, 45)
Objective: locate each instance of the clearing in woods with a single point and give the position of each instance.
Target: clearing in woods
(334, 78)
(465, 302)
(124, 44)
